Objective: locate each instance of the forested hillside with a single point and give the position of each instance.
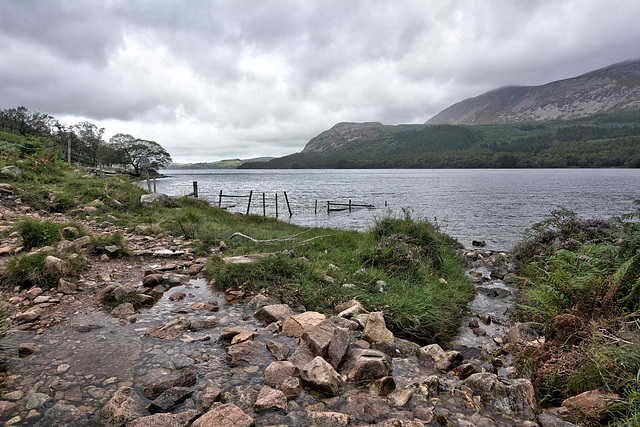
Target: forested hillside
(606, 140)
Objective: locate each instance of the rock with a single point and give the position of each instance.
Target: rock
(465, 371)
(514, 398)
(177, 296)
(291, 387)
(367, 409)
(122, 310)
(244, 353)
(25, 349)
(29, 315)
(155, 198)
(123, 407)
(242, 337)
(63, 415)
(55, 266)
(270, 398)
(301, 356)
(329, 419)
(589, 405)
(66, 288)
(208, 322)
(169, 329)
(207, 397)
(259, 301)
(141, 229)
(338, 347)
(366, 364)
(400, 397)
(82, 242)
(396, 422)
(152, 280)
(551, 418)
(185, 379)
(122, 292)
(433, 355)
(169, 399)
(273, 313)
(182, 419)
(384, 385)
(375, 329)
(478, 243)
(321, 376)
(279, 351)
(11, 170)
(277, 372)
(36, 400)
(294, 326)
(224, 416)
(521, 333)
(319, 337)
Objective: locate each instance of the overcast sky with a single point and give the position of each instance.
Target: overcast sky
(211, 80)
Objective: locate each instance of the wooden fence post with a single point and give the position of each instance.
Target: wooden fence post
(195, 189)
(264, 206)
(276, 205)
(316, 210)
(349, 205)
(220, 200)
(249, 204)
(288, 206)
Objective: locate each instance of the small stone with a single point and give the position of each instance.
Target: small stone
(62, 368)
(270, 398)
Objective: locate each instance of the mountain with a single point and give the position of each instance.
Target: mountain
(342, 134)
(220, 164)
(610, 89)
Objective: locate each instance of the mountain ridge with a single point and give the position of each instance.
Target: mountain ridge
(609, 89)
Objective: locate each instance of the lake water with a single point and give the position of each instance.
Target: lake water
(494, 205)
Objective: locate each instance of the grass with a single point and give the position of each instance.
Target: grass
(26, 270)
(426, 286)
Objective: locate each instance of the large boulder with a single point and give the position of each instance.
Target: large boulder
(55, 266)
(366, 364)
(338, 347)
(11, 170)
(169, 399)
(321, 376)
(63, 415)
(244, 353)
(514, 398)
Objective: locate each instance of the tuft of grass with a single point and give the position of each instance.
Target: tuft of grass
(36, 233)
(98, 245)
(26, 270)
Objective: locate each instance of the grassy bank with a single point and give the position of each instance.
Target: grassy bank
(582, 291)
(403, 267)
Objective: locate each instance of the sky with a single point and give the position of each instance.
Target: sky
(212, 79)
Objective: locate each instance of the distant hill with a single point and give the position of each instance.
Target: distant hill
(221, 164)
(605, 140)
(610, 89)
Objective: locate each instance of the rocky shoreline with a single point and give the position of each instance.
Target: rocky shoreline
(184, 355)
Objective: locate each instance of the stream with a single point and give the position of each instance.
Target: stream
(84, 369)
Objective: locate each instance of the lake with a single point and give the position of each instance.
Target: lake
(493, 205)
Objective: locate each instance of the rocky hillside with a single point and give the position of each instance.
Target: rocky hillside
(611, 89)
(341, 134)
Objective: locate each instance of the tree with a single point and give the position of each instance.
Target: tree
(131, 151)
(91, 139)
(25, 122)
